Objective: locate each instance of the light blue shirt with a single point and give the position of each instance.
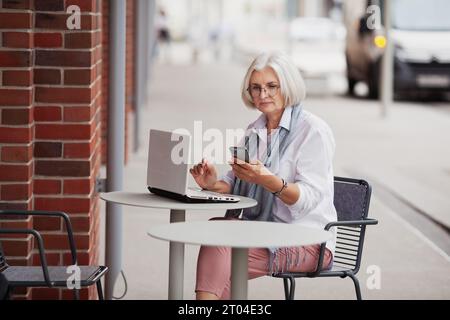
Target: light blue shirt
(308, 163)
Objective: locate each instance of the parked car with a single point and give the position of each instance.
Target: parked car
(421, 42)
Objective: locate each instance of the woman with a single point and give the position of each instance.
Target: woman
(291, 176)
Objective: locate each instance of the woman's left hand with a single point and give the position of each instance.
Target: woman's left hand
(253, 172)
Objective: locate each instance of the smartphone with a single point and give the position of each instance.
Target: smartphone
(240, 153)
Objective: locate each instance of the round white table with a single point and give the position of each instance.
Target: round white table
(177, 214)
(240, 235)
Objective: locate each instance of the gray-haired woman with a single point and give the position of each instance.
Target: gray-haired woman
(291, 175)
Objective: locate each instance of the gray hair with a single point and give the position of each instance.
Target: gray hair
(292, 85)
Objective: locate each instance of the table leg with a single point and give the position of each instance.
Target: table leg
(176, 260)
(239, 273)
(113, 247)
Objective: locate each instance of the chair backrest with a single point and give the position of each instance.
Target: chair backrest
(351, 200)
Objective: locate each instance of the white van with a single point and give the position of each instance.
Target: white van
(421, 36)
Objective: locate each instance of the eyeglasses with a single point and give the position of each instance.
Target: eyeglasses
(271, 90)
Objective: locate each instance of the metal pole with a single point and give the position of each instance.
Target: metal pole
(150, 43)
(176, 260)
(116, 141)
(387, 73)
(139, 71)
(290, 13)
(239, 273)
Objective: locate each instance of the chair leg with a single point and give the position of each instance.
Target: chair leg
(357, 288)
(286, 288)
(99, 290)
(292, 291)
(9, 293)
(289, 288)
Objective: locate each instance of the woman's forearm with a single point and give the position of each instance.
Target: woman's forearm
(290, 194)
(221, 187)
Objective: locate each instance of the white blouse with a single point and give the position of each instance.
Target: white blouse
(307, 162)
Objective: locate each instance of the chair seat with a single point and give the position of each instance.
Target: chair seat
(33, 276)
(335, 270)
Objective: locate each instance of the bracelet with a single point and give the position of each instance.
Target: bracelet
(278, 193)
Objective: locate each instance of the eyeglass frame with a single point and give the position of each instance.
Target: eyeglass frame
(265, 89)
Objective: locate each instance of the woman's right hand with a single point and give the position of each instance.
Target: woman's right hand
(205, 174)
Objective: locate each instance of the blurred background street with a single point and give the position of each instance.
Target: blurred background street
(402, 151)
(83, 82)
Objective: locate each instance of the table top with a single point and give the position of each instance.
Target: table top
(150, 200)
(240, 234)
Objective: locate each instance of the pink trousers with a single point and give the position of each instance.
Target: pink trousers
(214, 265)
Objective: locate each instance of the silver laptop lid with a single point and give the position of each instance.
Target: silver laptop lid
(168, 161)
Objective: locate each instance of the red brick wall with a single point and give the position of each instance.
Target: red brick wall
(50, 128)
(16, 125)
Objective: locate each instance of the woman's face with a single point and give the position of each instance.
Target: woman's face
(271, 99)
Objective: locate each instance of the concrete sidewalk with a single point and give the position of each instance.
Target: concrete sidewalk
(407, 154)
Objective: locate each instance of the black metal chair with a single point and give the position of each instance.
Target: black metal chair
(351, 200)
(44, 275)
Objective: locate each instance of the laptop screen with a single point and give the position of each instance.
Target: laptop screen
(168, 161)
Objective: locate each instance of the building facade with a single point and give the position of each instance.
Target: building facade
(53, 111)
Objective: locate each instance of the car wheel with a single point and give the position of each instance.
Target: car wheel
(351, 86)
(374, 81)
(350, 80)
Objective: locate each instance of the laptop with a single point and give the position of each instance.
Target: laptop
(168, 170)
